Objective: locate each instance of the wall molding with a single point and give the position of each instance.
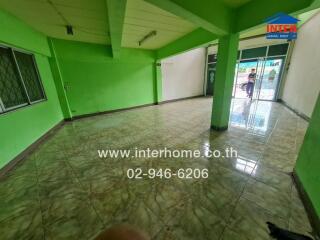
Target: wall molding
(21, 156)
(300, 114)
(29, 150)
(130, 108)
(181, 99)
(109, 111)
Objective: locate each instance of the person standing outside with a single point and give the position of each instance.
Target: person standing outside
(250, 84)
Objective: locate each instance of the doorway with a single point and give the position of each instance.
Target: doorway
(268, 73)
(268, 61)
(210, 78)
(211, 73)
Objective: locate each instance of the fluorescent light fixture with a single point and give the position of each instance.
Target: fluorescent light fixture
(146, 37)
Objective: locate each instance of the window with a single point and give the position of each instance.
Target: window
(254, 52)
(20, 83)
(277, 50)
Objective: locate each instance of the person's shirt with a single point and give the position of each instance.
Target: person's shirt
(252, 77)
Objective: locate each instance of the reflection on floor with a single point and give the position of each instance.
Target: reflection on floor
(64, 191)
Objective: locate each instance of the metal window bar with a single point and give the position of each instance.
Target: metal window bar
(15, 107)
(39, 80)
(1, 106)
(38, 75)
(3, 109)
(20, 76)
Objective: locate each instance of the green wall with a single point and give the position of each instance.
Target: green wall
(16, 33)
(96, 82)
(22, 127)
(308, 163)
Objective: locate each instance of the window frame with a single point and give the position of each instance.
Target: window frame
(3, 109)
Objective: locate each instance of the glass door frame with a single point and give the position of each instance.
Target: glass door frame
(282, 70)
(259, 78)
(264, 59)
(257, 60)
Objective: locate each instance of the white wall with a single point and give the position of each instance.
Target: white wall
(302, 83)
(183, 75)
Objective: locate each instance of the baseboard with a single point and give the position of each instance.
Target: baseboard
(300, 114)
(11, 164)
(129, 108)
(109, 111)
(311, 211)
(180, 99)
(219, 129)
(21, 156)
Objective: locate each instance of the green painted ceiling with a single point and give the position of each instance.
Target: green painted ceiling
(235, 3)
(88, 17)
(141, 18)
(260, 30)
(90, 21)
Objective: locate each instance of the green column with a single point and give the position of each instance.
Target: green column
(158, 83)
(57, 76)
(223, 84)
(308, 164)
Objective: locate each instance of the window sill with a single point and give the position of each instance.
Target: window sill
(22, 107)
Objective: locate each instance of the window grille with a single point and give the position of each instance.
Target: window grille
(20, 84)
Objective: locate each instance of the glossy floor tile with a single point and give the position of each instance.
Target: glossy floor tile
(64, 190)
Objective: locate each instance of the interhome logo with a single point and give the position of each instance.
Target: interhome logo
(281, 26)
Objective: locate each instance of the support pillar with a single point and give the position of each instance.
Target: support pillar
(57, 76)
(223, 84)
(158, 82)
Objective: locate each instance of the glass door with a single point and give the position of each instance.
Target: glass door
(268, 73)
(243, 69)
(270, 78)
(259, 79)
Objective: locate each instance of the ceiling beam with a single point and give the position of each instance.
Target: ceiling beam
(210, 15)
(255, 12)
(315, 4)
(116, 14)
(190, 41)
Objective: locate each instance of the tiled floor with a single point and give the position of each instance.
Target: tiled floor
(65, 191)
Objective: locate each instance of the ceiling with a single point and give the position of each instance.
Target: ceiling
(261, 30)
(141, 18)
(90, 21)
(235, 3)
(88, 17)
